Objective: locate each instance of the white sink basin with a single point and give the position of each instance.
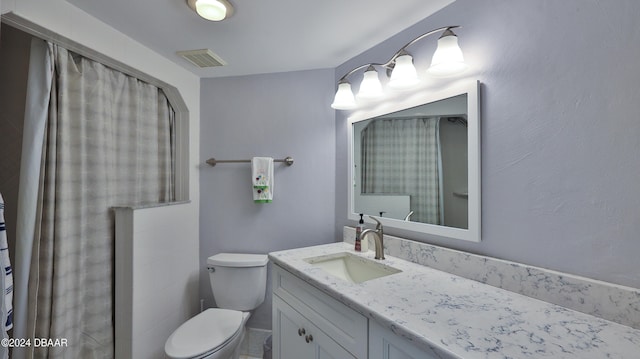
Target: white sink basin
(351, 268)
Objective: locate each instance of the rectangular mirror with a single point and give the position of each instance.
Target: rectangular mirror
(415, 163)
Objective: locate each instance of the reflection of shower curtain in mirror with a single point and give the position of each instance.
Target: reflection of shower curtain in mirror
(402, 156)
(107, 142)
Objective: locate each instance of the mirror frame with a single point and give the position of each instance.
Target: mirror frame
(472, 89)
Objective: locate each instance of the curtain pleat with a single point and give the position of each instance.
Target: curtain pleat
(108, 143)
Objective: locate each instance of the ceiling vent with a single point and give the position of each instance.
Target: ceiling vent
(202, 58)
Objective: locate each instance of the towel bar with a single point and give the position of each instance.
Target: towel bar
(212, 161)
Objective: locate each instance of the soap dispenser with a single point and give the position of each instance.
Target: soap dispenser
(359, 229)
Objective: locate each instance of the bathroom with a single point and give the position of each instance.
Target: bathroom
(558, 141)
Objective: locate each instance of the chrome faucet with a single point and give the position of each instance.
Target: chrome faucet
(378, 238)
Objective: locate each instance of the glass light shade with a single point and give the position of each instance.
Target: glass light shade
(344, 99)
(404, 73)
(448, 59)
(370, 88)
(212, 10)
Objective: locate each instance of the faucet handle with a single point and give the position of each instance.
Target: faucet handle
(379, 225)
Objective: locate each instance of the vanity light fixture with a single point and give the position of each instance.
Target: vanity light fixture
(213, 10)
(447, 61)
(404, 74)
(370, 87)
(344, 99)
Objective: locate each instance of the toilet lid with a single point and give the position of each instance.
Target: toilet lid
(203, 333)
(238, 260)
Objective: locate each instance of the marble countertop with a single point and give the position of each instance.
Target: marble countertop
(462, 318)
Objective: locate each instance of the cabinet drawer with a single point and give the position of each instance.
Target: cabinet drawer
(346, 326)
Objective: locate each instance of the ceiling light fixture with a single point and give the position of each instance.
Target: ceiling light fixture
(447, 61)
(213, 10)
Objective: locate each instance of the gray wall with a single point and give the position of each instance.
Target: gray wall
(560, 130)
(277, 115)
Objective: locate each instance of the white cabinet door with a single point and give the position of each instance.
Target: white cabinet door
(288, 343)
(294, 337)
(384, 344)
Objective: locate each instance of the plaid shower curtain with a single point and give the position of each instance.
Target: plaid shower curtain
(108, 142)
(401, 156)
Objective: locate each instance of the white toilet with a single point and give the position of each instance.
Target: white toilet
(238, 282)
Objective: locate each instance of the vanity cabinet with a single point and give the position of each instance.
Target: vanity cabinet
(308, 323)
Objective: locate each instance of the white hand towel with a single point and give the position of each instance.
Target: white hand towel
(262, 171)
(6, 275)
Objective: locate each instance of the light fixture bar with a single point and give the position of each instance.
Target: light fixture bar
(389, 64)
(447, 61)
(445, 30)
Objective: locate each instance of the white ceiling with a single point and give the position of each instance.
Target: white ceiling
(264, 36)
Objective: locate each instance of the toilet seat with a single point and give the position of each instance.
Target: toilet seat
(205, 333)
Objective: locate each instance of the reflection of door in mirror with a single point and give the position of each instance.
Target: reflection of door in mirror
(414, 160)
(453, 142)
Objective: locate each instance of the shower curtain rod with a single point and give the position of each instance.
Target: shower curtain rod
(391, 117)
(212, 161)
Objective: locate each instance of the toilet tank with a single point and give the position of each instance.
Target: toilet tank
(238, 280)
